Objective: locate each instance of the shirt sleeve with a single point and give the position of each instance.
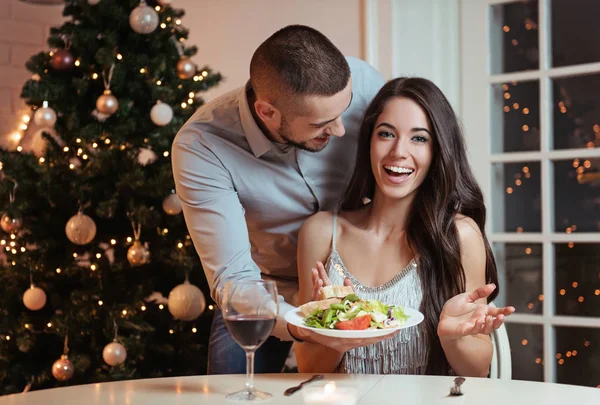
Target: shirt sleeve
(215, 220)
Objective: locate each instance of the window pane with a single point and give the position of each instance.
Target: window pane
(521, 283)
(514, 37)
(577, 279)
(515, 117)
(576, 111)
(516, 202)
(578, 356)
(575, 32)
(527, 348)
(577, 195)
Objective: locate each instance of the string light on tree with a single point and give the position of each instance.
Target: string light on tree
(143, 19)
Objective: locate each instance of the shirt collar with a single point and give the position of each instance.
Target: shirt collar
(259, 143)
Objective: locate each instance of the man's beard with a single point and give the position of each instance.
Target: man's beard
(285, 133)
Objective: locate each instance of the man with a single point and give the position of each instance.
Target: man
(253, 164)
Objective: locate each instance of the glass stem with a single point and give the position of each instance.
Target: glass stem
(250, 372)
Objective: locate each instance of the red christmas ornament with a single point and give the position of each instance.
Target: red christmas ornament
(62, 60)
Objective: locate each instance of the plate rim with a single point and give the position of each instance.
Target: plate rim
(353, 333)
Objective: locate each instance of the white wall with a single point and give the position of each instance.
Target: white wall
(226, 32)
(23, 32)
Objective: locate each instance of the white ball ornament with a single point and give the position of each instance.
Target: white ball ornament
(45, 116)
(143, 19)
(80, 229)
(34, 298)
(161, 114)
(186, 302)
(114, 353)
(172, 204)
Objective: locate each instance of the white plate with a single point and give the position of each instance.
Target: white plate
(415, 317)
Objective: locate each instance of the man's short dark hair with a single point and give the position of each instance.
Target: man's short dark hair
(298, 61)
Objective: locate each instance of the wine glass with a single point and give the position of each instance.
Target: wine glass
(250, 309)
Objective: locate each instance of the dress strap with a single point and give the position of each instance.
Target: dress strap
(334, 235)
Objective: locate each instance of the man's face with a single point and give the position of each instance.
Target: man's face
(321, 119)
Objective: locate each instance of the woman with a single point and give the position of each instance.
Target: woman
(410, 232)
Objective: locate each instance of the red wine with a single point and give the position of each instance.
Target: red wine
(250, 331)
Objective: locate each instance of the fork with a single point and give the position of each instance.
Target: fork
(295, 388)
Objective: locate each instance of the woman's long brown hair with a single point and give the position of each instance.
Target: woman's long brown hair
(449, 189)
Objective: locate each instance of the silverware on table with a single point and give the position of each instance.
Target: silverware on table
(456, 391)
(314, 378)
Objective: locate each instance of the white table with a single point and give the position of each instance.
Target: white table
(373, 390)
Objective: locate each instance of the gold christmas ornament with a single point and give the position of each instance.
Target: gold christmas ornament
(114, 353)
(11, 223)
(186, 302)
(107, 103)
(34, 298)
(63, 369)
(138, 255)
(80, 229)
(45, 117)
(185, 68)
(172, 204)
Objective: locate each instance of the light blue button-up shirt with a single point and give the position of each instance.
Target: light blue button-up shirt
(245, 198)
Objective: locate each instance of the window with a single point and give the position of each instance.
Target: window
(531, 109)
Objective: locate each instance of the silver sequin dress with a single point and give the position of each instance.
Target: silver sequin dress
(406, 353)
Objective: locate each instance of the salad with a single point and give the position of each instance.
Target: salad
(353, 313)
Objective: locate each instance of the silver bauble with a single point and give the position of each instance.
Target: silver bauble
(114, 353)
(45, 117)
(107, 103)
(143, 19)
(80, 229)
(186, 302)
(161, 114)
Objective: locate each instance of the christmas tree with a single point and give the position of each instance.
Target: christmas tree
(93, 239)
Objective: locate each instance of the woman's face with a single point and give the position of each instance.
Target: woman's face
(401, 148)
